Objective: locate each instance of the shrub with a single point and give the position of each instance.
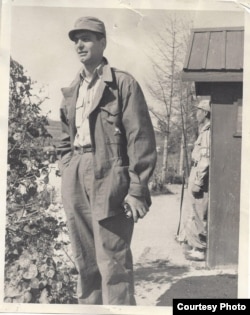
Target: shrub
(37, 268)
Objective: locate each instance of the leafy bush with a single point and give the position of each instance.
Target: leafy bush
(37, 268)
(157, 187)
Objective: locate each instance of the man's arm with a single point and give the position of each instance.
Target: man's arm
(64, 148)
(202, 168)
(141, 148)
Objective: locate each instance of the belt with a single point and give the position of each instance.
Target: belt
(82, 150)
(194, 163)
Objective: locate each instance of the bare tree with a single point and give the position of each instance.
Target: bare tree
(188, 126)
(170, 46)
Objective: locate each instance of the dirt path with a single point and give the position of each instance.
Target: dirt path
(161, 270)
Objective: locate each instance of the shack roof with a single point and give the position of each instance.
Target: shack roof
(215, 54)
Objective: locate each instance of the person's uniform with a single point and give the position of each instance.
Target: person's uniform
(107, 154)
(196, 227)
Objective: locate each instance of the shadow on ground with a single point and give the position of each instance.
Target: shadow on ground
(158, 271)
(204, 287)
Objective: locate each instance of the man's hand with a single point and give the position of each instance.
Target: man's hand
(138, 206)
(196, 191)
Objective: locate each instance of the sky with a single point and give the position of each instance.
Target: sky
(39, 41)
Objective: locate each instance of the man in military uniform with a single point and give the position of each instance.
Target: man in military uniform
(108, 154)
(195, 229)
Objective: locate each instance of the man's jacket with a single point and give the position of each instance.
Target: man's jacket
(122, 137)
(201, 157)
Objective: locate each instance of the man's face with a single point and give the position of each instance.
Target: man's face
(201, 115)
(89, 48)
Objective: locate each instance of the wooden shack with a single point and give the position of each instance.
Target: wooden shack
(214, 61)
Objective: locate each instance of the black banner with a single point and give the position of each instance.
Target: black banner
(210, 306)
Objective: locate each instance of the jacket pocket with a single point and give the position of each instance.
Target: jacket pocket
(116, 189)
(110, 191)
(64, 162)
(111, 117)
(111, 112)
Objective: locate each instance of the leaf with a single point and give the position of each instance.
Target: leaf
(42, 284)
(27, 297)
(34, 283)
(17, 239)
(31, 272)
(14, 207)
(17, 136)
(34, 255)
(59, 285)
(31, 230)
(50, 281)
(24, 262)
(43, 268)
(56, 285)
(50, 261)
(58, 246)
(26, 229)
(59, 277)
(50, 273)
(11, 291)
(44, 297)
(22, 189)
(66, 278)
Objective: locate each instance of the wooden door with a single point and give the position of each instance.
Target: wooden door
(223, 217)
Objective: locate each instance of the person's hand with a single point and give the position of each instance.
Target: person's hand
(196, 190)
(138, 206)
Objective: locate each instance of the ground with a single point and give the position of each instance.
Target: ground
(160, 268)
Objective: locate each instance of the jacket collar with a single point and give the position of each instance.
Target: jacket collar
(102, 71)
(71, 93)
(107, 73)
(106, 76)
(205, 127)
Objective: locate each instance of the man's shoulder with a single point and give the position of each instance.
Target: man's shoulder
(120, 72)
(122, 75)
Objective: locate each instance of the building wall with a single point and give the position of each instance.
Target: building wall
(224, 209)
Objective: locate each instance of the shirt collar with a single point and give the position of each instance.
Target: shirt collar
(97, 72)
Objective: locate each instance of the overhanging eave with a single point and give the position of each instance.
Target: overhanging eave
(212, 76)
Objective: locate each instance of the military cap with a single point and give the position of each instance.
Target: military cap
(88, 23)
(205, 105)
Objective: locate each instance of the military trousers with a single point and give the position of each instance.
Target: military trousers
(196, 230)
(194, 217)
(101, 249)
